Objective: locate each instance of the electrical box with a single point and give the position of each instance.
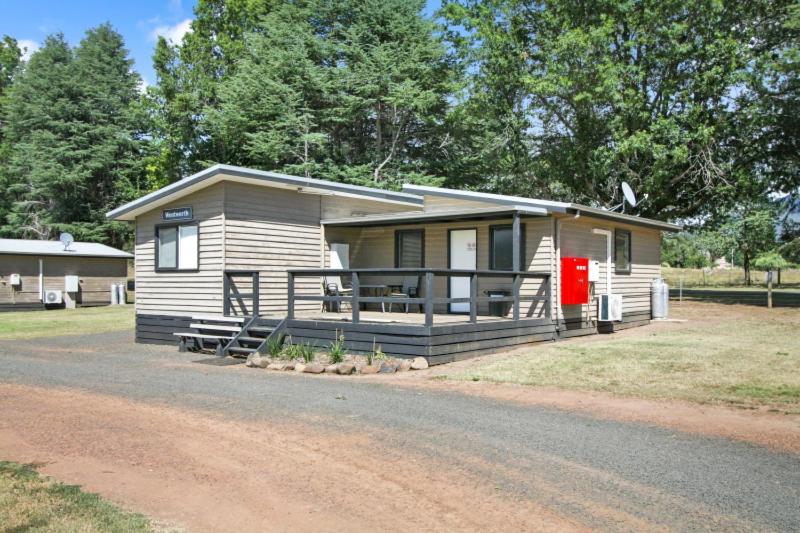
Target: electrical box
(574, 280)
(594, 271)
(71, 283)
(15, 280)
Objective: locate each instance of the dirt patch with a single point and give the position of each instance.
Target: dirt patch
(201, 472)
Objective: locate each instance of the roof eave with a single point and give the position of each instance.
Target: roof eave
(130, 210)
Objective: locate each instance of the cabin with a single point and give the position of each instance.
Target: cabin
(230, 257)
(37, 275)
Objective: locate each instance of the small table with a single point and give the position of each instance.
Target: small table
(377, 290)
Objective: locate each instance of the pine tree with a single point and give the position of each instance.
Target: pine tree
(75, 132)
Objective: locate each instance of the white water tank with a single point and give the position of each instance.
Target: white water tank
(659, 298)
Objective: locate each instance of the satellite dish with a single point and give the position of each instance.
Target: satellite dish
(66, 239)
(628, 193)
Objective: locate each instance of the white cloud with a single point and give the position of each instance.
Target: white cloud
(173, 34)
(143, 85)
(28, 47)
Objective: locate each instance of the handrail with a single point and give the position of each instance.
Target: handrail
(429, 300)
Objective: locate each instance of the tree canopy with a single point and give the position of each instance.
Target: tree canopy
(695, 104)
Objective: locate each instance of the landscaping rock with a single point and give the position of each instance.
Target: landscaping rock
(346, 368)
(255, 360)
(370, 369)
(276, 366)
(288, 366)
(299, 367)
(419, 363)
(387, 368)
(332, 369)
(313, 368)
(404, 366)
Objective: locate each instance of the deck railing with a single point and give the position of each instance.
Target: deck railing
(428, 299)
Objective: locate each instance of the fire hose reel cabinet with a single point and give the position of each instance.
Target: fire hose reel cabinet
(574, 280)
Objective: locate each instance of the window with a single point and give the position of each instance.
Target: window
(622, 251)
(501, 251)
(176, 247)
(409, 248)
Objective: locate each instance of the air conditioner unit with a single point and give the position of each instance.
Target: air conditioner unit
(52, 297)
(609, 307)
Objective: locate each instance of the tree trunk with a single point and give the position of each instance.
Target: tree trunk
(769, 289)
(746, 266)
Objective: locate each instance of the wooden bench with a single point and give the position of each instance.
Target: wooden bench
(184, 335)
(219, 318)
(215, 327)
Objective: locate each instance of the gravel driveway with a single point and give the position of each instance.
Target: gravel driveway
(594, 473)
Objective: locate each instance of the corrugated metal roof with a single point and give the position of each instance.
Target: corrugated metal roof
(76, 249)
(418, 217)
(549, 205)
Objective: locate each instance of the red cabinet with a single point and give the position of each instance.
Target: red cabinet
(574, 280)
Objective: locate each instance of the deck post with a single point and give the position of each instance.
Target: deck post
(517, 283)
(428, 299)
(226, 294)
(290, 296)
(473, 298)
(516, 238)
(547, 295)
(256, 287)
(355, 306)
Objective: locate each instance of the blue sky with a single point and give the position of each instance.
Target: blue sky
(139, 21)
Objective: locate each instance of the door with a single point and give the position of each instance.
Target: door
(463, 254)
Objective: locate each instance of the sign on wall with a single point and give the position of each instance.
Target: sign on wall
(177, 213)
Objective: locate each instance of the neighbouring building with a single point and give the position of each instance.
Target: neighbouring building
(44, 274)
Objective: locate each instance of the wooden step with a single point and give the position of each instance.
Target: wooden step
(258, 340)
(215, 327)
(266, 330)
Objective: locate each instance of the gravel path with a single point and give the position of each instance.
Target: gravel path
(600, 473)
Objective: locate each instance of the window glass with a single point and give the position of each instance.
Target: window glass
(167, 247)
(409, 249)
(187, 249)
(622, 251)
(502, 253)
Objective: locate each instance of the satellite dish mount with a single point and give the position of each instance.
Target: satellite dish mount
(66, 239)
(628, 197)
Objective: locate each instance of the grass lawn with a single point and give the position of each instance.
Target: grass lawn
(30, 502)
(734, 354)
(54, 323)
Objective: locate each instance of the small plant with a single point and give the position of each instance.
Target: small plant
(306, 351)
(337, 349)
(376, 354)
(275, 346)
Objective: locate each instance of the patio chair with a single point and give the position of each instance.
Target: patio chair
(409, 289)
(333, 286)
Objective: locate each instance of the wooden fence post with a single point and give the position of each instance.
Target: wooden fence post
(428, 299)
(354, 302)
(290, 296)
(473, 299)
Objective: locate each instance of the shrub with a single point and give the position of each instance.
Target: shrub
(337, 349)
